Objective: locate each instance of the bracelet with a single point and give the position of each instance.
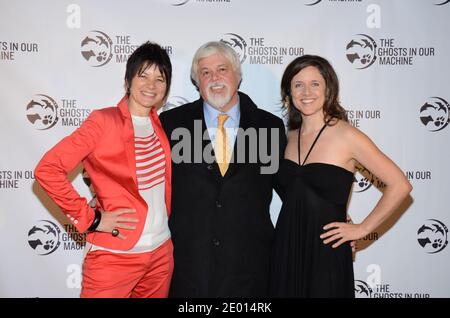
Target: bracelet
(96, 221)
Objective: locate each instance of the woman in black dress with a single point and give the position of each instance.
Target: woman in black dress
(309, 257)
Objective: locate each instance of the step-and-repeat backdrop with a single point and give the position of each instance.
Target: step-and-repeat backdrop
(59, 60)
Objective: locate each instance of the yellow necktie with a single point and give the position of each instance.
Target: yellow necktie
(222, 149)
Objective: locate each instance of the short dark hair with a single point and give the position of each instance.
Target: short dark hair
(331, 108)
(143, 57)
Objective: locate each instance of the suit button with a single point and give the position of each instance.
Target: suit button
(218, 204)
(209, 167)
(215, 242)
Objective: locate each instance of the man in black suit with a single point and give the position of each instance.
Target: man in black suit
(225, 153)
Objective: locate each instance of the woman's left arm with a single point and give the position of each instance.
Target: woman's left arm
(397, 188)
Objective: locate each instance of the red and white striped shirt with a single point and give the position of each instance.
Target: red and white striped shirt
(150, 161)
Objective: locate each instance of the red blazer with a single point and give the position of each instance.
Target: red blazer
(105, 145)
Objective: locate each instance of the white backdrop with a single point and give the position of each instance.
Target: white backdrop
(61, 59)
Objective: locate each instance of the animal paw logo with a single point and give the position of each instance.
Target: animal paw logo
(433, 236)
(237, 43)
(435, 114)
(179, 3)
(362, 179)
(362, 289)
(42, 112)
(361, 51)
(96, 48)
(174, 102)
(43, 237)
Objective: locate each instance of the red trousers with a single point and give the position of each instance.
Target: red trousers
(140, 275)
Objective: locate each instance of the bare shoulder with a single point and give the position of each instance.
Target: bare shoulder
(349, 132)
(349, 137)
(360, 145)
(339, 128)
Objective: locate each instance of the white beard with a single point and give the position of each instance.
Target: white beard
(218, 101)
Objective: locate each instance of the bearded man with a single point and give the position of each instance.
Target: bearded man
(225, 155)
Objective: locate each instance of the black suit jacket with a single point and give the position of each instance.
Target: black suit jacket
(221, 227)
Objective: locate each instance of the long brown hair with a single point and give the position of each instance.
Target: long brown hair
(331, 108)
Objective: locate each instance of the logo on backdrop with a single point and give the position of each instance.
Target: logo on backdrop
(363, 179)
(237, 43)
(442, 3)
(177, 3)
(258, 51)
(42, 112)
(363, 51)
(43, 237)
(362, 289)
(362, 182)
(314, 2)
(174, 102)
(433, 236)
(96, 48)
(435, 114)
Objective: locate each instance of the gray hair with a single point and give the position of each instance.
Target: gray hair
(211, 48)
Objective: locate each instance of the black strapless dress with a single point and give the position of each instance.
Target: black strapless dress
(302, 265)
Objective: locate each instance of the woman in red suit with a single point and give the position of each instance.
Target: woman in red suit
(127, 156)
